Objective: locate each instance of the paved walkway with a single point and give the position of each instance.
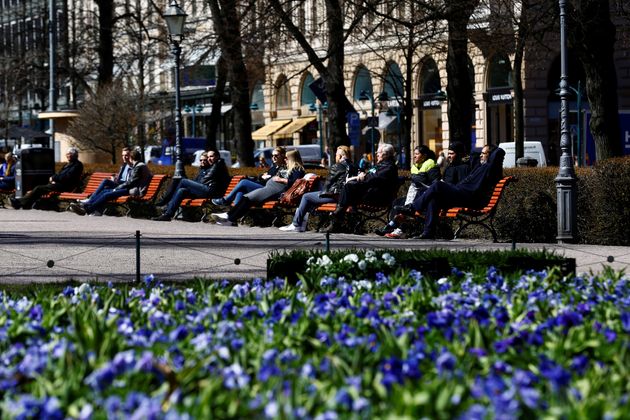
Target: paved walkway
(45, 246)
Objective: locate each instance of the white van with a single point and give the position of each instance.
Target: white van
(225, 155)
(531, 149)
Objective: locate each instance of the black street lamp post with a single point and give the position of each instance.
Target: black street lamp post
(175, 19)
(565, 181)
(368, 96)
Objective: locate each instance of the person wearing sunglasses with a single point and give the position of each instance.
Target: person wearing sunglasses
(279, 158)
(212, 183)
(204, 165)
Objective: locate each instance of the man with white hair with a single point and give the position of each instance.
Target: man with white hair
(68, 179)
(376, 187)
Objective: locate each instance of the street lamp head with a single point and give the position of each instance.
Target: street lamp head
(254, 106)
(175, 20)
(312, 107)
(440, 95)
(187, 109)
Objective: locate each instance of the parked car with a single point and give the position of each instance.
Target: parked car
(225, 155)
(531, 149)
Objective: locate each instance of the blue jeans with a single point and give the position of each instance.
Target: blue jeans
(106, 183)
(186, 189)
(98, 202)
(243, 187)
(309, 202)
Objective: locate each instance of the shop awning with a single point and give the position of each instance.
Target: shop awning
(296, 125)
(263, 132)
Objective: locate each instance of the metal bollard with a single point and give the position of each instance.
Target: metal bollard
(138, 256)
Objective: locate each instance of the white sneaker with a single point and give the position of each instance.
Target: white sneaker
(217, 216)
(225, 222)
(83, 201)
(292, 228)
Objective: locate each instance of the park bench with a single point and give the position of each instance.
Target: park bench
(483, 217)
(205, 203)
(357, 217)
(131, 202)
(94, 180)
(280, 208)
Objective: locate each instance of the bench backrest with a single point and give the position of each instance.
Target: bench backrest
(233, 183)
(95, 180)
(496, 193)
(154, 187)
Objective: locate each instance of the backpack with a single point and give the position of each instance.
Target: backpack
(294, 194)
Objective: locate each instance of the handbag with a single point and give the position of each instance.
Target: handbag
(294, 194)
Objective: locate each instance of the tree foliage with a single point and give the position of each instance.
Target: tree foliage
(106, 121)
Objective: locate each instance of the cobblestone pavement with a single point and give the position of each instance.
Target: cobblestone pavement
(46, 246)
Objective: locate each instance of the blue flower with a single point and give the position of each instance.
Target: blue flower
(554, 373)
(579, 364)
(445, 362)
(625, 322)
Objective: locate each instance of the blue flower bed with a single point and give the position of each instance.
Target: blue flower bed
(470, 345)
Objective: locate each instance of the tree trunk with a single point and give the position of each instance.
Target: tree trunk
(217, 101)
(459, 89)
(592, 35)
(105, 42)
(338, 104)
(519, 119)
(227, 24)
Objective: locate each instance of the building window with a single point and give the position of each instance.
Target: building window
(283, 94)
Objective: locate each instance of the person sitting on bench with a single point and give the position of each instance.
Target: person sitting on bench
(474, 191)
(334, 183)
(213, 183)
(278, 156)
(424, 171)
(271, 191)
(372, 187)
(68, 179)
(136, 185)
(114, 181)
(7, 172)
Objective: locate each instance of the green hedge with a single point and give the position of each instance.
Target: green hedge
(527, 211)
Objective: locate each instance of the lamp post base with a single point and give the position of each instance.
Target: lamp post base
(566, 201)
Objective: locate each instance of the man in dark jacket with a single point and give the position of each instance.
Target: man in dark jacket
(474, 191)
(68, 179)
(456, 169)
(334, 183)
(377, 186)
(204, 166)
(212, 184)
(135, 185)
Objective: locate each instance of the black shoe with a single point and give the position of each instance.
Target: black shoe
(15, 203)
(384, 230)
(407, 210)
(162, 218)
(426, 235)
(77, 208)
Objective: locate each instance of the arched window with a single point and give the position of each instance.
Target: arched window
(394, 86)
(500, 72)
(430, 77)
(258, 97)
(283, 94)
(307, 96)
(362, 82)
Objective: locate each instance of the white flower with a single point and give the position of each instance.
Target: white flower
(310, 261)
(369, 254)
(351, 258)
(389, 259)
(362, 265)
(323, 261)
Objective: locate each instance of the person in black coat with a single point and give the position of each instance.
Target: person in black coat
(68, 179)
(337, 176)
(210, 183)
(474, 191)
(204, 166)
(374, 187)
